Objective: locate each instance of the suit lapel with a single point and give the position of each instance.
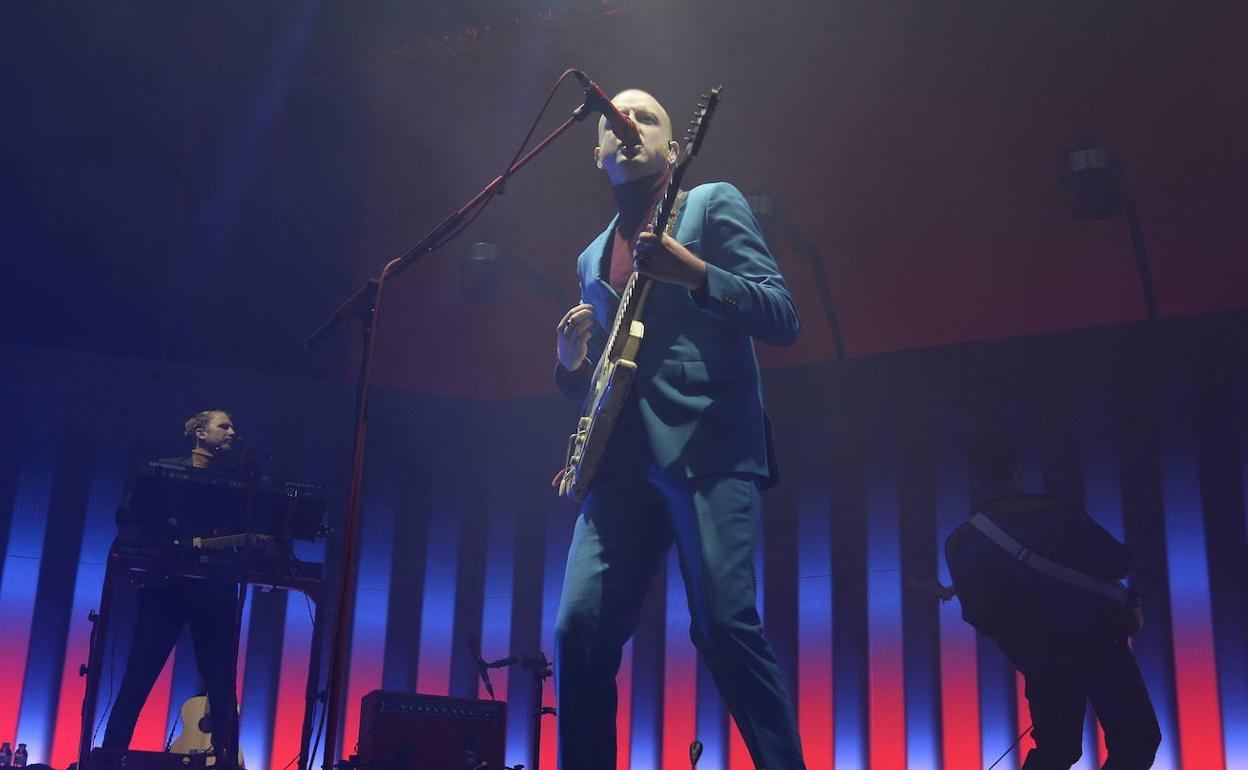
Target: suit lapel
(607, 300)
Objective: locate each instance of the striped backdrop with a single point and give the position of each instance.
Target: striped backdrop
(463, 540)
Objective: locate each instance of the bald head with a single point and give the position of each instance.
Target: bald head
(657, 150)
(635, 97)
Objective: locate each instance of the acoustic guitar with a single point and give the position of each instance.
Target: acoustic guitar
(196, 735)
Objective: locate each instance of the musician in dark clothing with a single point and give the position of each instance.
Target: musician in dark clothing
(1069, 644)
(689, 454)
(166, 604)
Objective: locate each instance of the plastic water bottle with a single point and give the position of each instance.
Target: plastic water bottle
(19, 756)
(6, 754)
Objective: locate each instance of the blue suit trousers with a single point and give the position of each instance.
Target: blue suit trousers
(626, 526)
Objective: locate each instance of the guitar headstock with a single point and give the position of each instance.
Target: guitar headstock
(693, 142)
(930, 589)
(701, 120)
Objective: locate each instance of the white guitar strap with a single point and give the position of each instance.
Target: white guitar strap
(1110, 589)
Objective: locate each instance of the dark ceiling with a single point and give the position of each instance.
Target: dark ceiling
(204, 182)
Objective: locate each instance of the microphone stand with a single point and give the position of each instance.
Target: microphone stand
(364, 304)
(539, 666)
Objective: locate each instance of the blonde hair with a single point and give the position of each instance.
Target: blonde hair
(201, 420)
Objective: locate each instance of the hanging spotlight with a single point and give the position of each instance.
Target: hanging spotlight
(481, 271)
(1095, 183)
(1093, 179)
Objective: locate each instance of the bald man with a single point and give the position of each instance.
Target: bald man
(690, 453)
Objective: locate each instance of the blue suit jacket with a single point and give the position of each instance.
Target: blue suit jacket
(697, 401)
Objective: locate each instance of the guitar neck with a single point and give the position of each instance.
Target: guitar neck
(633, 300)
(228, 541)
(637, 291)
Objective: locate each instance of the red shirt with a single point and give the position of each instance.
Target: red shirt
(637, 201)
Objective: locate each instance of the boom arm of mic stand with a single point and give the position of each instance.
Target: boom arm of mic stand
(368, 299)
(360, 302)
(432, 240)
(352, 305)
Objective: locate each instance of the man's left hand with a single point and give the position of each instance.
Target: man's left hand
(664, 259)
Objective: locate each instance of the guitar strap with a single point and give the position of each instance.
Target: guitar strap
(1110, 589)
(678, 211)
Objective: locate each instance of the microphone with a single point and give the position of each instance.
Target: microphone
(695, 753)
(596, 99)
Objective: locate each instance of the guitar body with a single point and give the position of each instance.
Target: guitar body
(613, 377)
(587, 445)
(196, 735)
(609, 388)
(193, 739)
(1126, 617)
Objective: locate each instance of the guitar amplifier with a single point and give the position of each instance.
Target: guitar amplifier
(410, 731)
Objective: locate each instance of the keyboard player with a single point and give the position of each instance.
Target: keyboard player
(167, 604)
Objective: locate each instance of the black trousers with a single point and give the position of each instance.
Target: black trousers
(164, 608)
(1059, 687)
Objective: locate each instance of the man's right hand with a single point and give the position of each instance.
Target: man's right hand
(572, 336)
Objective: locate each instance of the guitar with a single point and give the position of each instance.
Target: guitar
(1127, 617)
(196, 735)
(616, 370)
(931, 589)
(223, 542)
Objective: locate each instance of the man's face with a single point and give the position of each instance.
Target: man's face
(218, 435)
(624, 163)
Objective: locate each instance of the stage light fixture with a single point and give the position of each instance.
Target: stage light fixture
(1095, 183)
(481, 273)
(486, 272)
(1092, 176)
